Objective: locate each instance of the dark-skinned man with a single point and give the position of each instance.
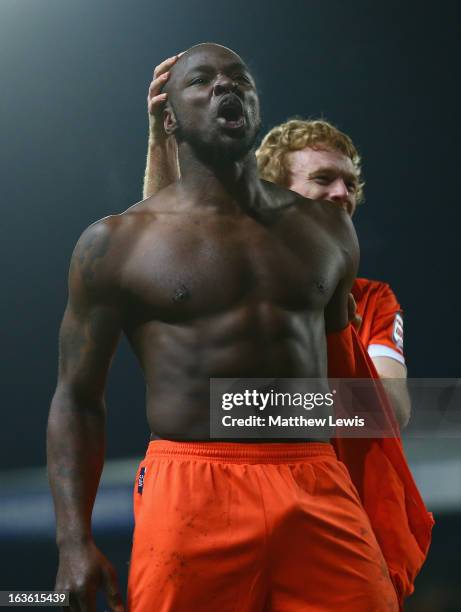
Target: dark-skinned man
(221, 275)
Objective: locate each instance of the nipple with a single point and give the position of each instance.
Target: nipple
(181, 294)
(321, 285)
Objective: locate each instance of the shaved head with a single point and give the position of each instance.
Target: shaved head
(212, 102)
(182, 62)
(208, 45)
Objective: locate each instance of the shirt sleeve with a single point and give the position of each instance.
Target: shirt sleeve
(386, 330)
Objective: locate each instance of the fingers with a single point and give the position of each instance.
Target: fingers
(161, 75)
(357, 321)
(166, 65)
(82, 599)
(353, 315)
(110, 583)
(156, 102)
(155, 99)
(351, 307)
(157, 84)
(88, 602)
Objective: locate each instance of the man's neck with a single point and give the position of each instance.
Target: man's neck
(230, 187)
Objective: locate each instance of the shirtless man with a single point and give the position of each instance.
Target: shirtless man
(219, 275)
(318, 161)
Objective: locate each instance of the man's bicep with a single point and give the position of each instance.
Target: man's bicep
(387, 367)
(87, 343)
(91, 325)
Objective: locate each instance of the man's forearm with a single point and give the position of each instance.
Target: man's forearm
(393, 375)
(161, 166)
(75, 451)
(397, 392)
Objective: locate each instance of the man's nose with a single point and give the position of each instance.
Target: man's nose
(339, 191)
(224, 85)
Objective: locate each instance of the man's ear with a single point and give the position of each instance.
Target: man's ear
(169, 120)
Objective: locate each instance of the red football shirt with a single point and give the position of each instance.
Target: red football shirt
(381, 330)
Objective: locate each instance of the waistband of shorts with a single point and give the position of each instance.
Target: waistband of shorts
(236, 452)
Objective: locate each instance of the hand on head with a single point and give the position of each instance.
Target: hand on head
(156, 98)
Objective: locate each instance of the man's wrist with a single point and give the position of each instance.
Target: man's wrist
(70, 540)
(157, 135)
(156, 143)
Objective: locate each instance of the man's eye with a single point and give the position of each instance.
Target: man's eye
(242, 77)
(321, 179)
(198, 81)
(351, 187)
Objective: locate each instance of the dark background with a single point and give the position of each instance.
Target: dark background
(73, 83)
(73, 79)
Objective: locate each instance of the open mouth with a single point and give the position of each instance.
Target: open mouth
(230, 113)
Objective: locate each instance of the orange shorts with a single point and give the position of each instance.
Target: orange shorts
(223, 527)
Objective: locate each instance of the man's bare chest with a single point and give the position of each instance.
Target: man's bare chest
(195, 269)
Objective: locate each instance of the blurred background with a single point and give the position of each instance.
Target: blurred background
(74, 78)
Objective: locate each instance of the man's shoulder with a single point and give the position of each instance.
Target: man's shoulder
(100, 236)
(279, 197)
(103, 247)
(324, 212)
(122, 227)
(330, 218)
